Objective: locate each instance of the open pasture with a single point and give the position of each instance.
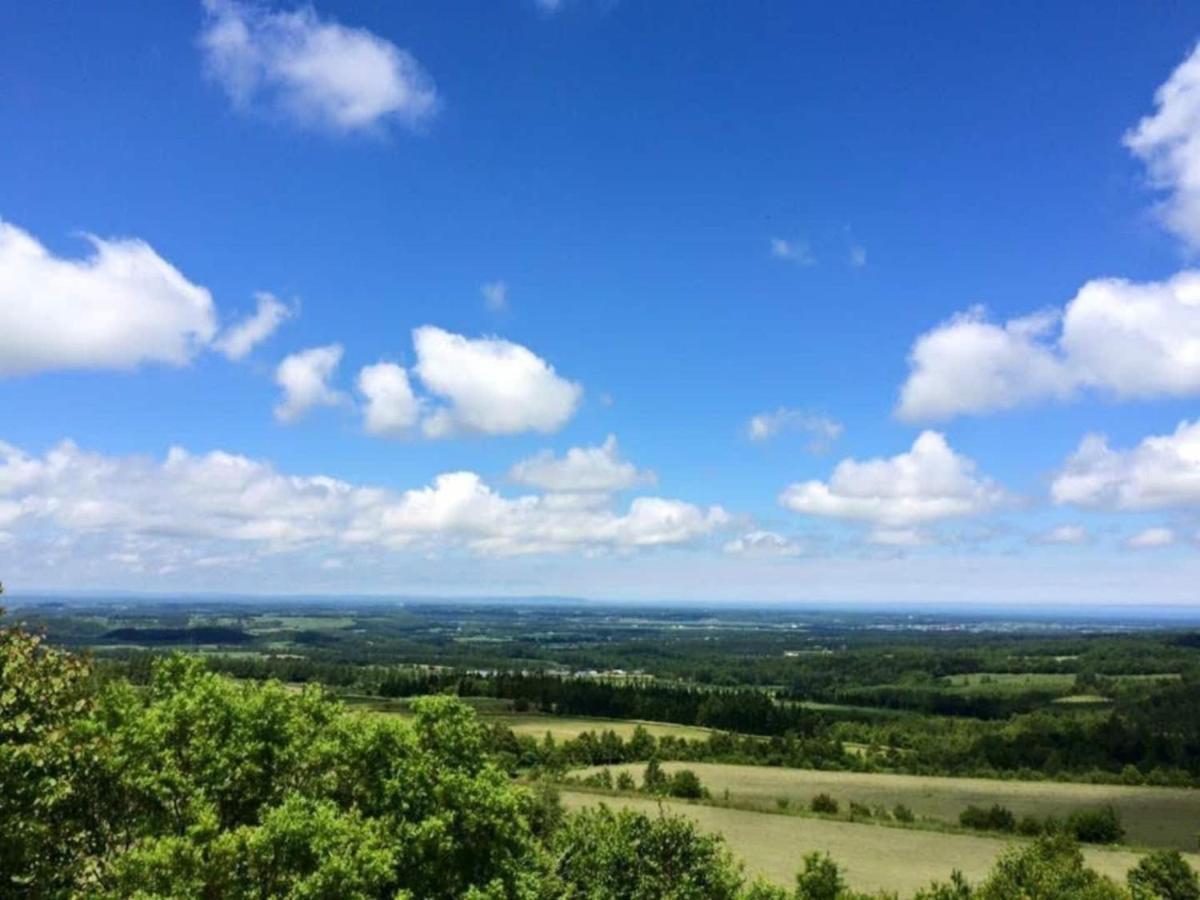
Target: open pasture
(493, 711)
(1152, 816)
(874, 857)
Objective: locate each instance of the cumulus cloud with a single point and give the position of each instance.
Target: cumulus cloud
(237, 342)
(489, 386)
(763, 544)
(795, 251)
(305, 379)
(227, 499)
(581, 470)
(119, 308)
(391, 406)
(1151, 538)
(928, 484)
(1168, 142)
(822, 430)
(1162, 471)
(1064, 534)
(1126, 338)
(495, 295)
(315, 71)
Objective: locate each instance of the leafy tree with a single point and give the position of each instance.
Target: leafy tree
(654, 779)
(1050, 868)
(625, 855)
(820, 879)
(1163, 875)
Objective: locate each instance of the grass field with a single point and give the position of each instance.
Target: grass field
(1153, 817)
(873, 857)
(562, 727)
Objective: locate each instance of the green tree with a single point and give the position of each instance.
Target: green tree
(1163, 875)
(1050, 868)
(626, 855)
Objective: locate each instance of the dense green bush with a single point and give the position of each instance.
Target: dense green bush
(823, 803)
(1096, 826)
(686, 784)
(995, 818)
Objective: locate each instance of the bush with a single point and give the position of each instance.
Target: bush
(625, 782)
(1029, 826)
(823, 803)
(902, 813)
(686, 784)
(1096, 826)
(997, 818)
(858, 811)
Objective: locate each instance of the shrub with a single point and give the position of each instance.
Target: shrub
(686, 784)
(1029, 826)
(1096, 826)
(997, 818)
(625, 782)
(902, 813)
(858, 811)
(823, 803)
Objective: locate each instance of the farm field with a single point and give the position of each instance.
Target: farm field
(537, 725)
(1152, 816)
(874, 857)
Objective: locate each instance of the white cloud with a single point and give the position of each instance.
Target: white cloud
(119, 308)
(238, 340)
(495, 295)
(207, 502)
(582, 470)
(1161, 472)
(858, 256)
(1129, 339)
(392, 408)
(1064, 534)
(898, 537)
(1151, 538)
(927, 484)
(305, 380)
(490, 386)
(796, 251)
(1168, 141)
(763, 544)
(821, 429)
(316, 71)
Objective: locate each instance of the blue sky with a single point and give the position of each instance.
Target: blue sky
(932, 247)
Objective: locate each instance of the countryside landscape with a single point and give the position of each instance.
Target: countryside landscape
(905, 747)
(600, 450)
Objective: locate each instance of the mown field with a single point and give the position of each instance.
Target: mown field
(1153, 817)
(874, 857)
(561, 727)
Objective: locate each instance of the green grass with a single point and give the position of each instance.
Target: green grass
(1153, 817)
(874, 858)
(492, 710)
